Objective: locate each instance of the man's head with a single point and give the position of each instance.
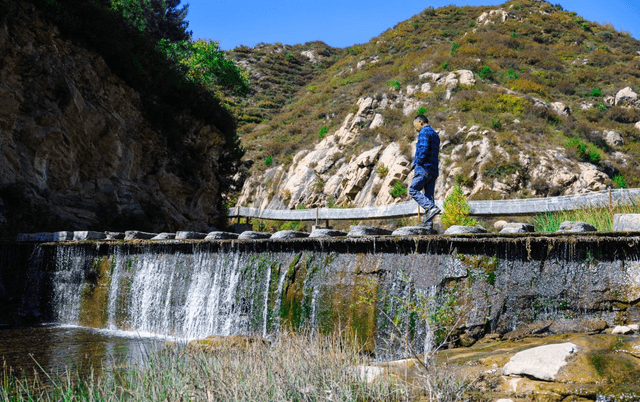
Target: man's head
(420, 121)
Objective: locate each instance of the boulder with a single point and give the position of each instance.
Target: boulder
(626, 97)
(455, 229)
(576, 227)
(517, 228)
(86, 235)
(114, 235)
(289, 234)
(251, 235)
(499, 225)
(135, 234)
(466, 77)
(637, 126)
(560, 108)
(164, 236)
(612, 138)
(542, 362)
(626, 222)
(378, 121)
(413, 231)
(621, 330)
(320, 233)
(589, 325)
(187, 235)
(367, 231)
(221, 236)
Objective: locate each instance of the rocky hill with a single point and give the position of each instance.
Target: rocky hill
(529, 100)
(84, 145)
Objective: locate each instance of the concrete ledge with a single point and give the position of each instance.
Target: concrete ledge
(626, 222)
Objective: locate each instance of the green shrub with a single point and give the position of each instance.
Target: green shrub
(486, 73)
(584, 152)
(268, 161)
(323, 131)
(596, 92)
(456, 210)
(394, 83)
(496, 124)
(398, 190)
(421, 110)
(454, 48)
(382, 171)
(619, 181)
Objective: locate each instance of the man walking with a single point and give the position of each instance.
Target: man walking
(425, 165)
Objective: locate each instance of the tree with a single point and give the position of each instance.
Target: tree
(160, 19)
(456, 210)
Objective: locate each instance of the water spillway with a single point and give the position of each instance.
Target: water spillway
(376, 288)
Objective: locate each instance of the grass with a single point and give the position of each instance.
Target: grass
(599, 216)
(295, 368)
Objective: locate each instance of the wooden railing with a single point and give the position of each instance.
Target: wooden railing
(526, 206)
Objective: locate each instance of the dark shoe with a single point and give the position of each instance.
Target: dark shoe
(426, 225)
(430, 214)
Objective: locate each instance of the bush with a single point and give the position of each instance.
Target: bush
(486, 73)
(584, 152)
(619, 181)
(268, 161)
(394, 83)
(398, 190)
(456, 210)
(596, 92)
(323, 131)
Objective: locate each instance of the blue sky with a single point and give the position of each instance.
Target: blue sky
(348, 22)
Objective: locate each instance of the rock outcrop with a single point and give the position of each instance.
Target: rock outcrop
(80, 150)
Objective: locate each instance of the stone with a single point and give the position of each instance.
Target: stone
(612, 138)
(456, 229)
(188, 235)
(560, 108)
(626, 97)
(45, 236)
(499, 225)
(609, 100)
(576, 227)
(86, 235)
(466, 77)
(221, 236)
(633, 313)
(378, 121)
(135, 234)
(517, 228)
(626, 222)
(637, 125)
(362, 230)
(542, 362)
(621, 330)
(251, 235)
(114, 235)
(369, 373)
(289, 234)
(589, 325)
(320, 233)
(164, 236)
(413, 231)
(634, 327)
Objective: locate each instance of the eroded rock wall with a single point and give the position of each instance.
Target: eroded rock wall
(79, 149)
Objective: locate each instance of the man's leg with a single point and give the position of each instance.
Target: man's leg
(415, 191)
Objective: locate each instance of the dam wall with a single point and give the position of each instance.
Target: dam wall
(387, 291)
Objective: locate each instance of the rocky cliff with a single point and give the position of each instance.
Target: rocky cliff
(79, 148)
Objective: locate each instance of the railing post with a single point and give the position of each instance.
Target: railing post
(316, 216)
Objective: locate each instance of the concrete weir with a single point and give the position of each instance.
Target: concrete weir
(477, 284)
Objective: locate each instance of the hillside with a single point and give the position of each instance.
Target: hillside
(529, 100)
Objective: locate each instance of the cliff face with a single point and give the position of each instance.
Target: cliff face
(79, 149)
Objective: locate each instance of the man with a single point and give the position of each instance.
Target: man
(425, 165)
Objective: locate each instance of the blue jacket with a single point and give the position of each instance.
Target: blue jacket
(427, 149)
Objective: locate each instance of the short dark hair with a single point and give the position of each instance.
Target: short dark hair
(422, 118)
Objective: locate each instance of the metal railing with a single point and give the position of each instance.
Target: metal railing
(526, 206)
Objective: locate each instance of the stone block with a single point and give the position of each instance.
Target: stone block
(413, 231)
(221, 236)
(43, 237)
(187, 235)
(164, 236)
(367, 231)
(289, 234)
(251, 235)
(517, 228)
(455, 229)
(320, 233)
(114, 235)
(576, 227)
(85, 235)
(135, 234)
(626, 223)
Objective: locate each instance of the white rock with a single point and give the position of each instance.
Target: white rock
(412, 89)
(426, 87)
(378, 121)
(361, 64)
(466, 77)
(311, 55)
(626, 97)
(612, 138)
(621, 329)
(609, 100)
(542, 362)
(561, 109)
(634, 327)
(499, 225)
(637, 126)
